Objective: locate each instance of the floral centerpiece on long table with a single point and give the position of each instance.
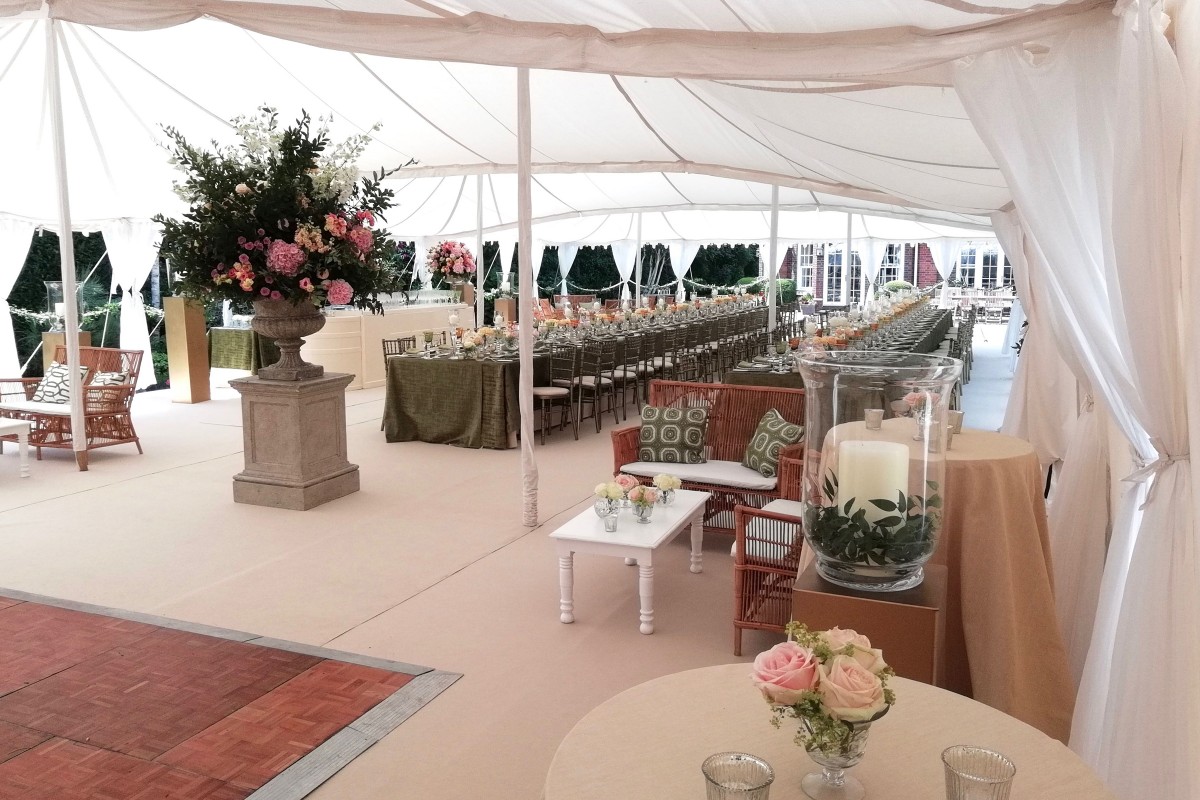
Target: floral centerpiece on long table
(281, 220)
(835, 683)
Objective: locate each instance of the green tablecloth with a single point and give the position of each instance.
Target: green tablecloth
(240, 348)
(464, 402)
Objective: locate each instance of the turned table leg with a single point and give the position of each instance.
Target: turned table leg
(698, 544)
(646, 594)
(566, 588)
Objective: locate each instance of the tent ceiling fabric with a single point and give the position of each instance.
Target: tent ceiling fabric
(603, 143)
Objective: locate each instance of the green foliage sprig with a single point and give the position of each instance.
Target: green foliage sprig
(844, 533)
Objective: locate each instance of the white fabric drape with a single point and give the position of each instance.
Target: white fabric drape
(872, 254)
(1089, 139)
(625, 254)
(683, 253)
(15, 238)
(566, 257)
(133, 251)
(529, 470)
(1049, 408)
(945, 254)
(420, 264)
(1013, 332)
(506, 240)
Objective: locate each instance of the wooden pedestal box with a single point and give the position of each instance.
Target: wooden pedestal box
(507, 306)
(52, 339)
(909, 626)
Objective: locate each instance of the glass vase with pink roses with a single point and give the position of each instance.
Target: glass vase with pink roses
(836, 685)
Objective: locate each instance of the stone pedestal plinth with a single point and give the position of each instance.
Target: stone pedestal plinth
(295, 441)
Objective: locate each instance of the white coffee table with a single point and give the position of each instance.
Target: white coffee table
(21, 428)
(633, 541)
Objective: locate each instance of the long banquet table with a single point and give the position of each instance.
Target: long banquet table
(464, 402)
(648, 742)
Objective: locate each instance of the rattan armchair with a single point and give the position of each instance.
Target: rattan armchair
(766, 560)
(106, 409)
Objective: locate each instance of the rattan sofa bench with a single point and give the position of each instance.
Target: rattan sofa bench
(733, 415)
(106, 409)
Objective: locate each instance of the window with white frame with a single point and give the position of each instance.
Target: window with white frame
(989, 268)
(1007, 276)
(854, 279)
(966, 266)
(893, 264)
(833, 276)
(805, 262)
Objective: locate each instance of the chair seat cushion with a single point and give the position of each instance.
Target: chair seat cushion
(586, 380)
(37, 407)
(716, 473)
(551, 391)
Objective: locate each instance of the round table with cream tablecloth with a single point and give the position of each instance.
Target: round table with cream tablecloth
(647, 743)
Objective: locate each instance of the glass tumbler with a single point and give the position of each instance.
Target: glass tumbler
(737, 776)
(976, 773)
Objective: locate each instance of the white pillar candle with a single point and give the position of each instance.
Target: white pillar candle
(871, 470)
(60, 309)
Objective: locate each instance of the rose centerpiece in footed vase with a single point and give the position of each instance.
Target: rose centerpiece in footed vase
(873, 493)
(835, 685)
(451, 260)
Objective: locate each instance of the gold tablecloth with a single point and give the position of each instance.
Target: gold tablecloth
(463, 402)
(1003, 646)
(648, 742)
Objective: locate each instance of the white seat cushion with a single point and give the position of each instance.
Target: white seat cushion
(550, 391)
(31, 407)
(717, 473)
(793, 508)
(757, 528)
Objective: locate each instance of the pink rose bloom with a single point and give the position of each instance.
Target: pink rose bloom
(276, 295)
(265, 292)
(785, 672)
(339, 292)
(306, 284)
(335, 224)
(285, 258)
(869, 657)
(626, 482)
(912, 398)
(849, 690)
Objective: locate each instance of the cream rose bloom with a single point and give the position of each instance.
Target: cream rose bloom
(785, 672)
(869, 657)
(850, 691)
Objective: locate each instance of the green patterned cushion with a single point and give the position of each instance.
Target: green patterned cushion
(673, 435)
(55, 386)
(772, 435)
(110, 378)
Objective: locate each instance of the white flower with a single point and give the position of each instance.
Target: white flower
(242, 188)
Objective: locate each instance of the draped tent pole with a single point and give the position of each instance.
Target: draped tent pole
(846, 261)
(637, 265)
(66, 246)
(529, 473)
(480, 267)
(773, 252)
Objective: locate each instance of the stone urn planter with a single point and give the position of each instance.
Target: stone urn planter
(287, 324)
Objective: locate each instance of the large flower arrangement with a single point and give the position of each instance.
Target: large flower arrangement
(450, 259)
(829, 680)
(281, 215)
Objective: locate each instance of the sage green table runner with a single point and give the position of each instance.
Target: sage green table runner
(462, 402)
(764, 377)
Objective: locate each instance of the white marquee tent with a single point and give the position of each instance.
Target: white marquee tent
(1071, 128)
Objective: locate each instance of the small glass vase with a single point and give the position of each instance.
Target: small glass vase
(643, 513)
(666, 496)
(606, 508)
(832, 782)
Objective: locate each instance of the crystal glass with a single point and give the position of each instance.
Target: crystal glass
(605, 507)
(666, 496)
(832, 782)
(737, 776)
(873, 498)
(643, 513)
(975, 773)
(55, 304)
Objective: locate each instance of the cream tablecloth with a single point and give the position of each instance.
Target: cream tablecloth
(1003, 646)
(648, 742)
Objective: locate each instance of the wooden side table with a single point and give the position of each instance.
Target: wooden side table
(909, 626)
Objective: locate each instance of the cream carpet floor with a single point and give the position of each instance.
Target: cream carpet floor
(429, 563)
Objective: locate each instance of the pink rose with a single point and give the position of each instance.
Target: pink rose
(626, 482)
(785, 672)
(275, 295)
(913, 398)
(849, 690)
(869, 657)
